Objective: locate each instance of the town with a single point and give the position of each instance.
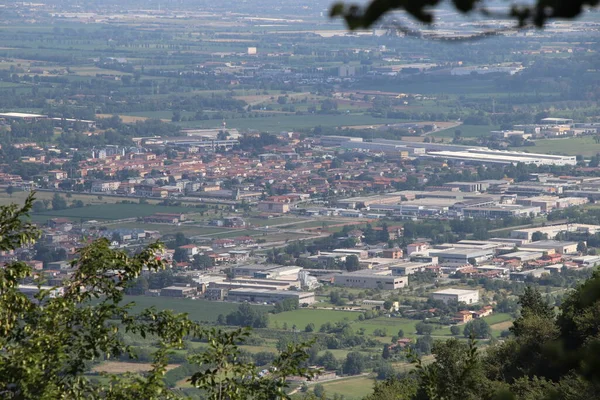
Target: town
(369, 192)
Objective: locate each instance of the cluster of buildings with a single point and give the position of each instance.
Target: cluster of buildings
(453, 152)
(479, 199)
(548, 128)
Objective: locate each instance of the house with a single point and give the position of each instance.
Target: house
(394, 253)
(484, 312)
(462, 317)
(105, 186)
(416, 248)
(190, 249)
(274, 207)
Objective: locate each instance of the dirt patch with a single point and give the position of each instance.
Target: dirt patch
(127, 119)
(501, 326)
(118, 367)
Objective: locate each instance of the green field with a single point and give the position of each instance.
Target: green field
(281, 122)
(303, 317)
(391, 325)
(351, 388)
(198, 310)
(585, 146)
(467, 131)
(109, 212)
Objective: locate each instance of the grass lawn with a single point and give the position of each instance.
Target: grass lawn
(586, 146)
(198, 310)
(390, 325)
(303, 317)
(280, 122)
(468, 131)
(109, 212)
(351, 388)
(498, 318)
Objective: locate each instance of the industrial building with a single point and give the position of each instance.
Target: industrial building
(371, 280)
(522, 256)
(462, 256)
(488, 156)
(559, 247)
(501, 211)
(179, 291)
(269, 296)
(553, 230)
(532, 273)
(470, 154)
(408, 268)
(456, 295)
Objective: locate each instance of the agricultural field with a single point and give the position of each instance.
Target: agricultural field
(197, 310)
(390, 325)
(467, 131)
(279, 122)
(303, 317)
(121, 367)
(109, 212)
(585, 146)
(354, 388)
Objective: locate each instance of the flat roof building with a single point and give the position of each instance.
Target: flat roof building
(522, 256)
(366, 280)
(556, 245)
(269, 296)
(554, 230)
(456, 295)
(462, 256)
(408, 268)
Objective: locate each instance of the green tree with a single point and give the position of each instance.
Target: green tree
(10, 190)
(328, 361)
(423, 328)
(58, 202)
(319, 390)
(455, 330)
(180, 255)
(352, 263)
(477, 328)
(202, 261)
(386, 352)
(354, 363)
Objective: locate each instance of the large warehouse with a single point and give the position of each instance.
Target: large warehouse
(458, 295)
(370, 280)
(269, 296)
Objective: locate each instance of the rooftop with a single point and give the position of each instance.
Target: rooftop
(456, 291)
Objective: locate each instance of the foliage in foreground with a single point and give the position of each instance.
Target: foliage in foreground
(537, 14)
(47, 342)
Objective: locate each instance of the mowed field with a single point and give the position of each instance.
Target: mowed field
(197, 310)
(303, 317)
(467, 131)
(585, 146)
(109, 212)
(352, 388)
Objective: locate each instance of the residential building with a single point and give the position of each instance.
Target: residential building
(394, 253)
